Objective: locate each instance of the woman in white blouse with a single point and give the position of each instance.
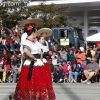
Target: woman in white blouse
(34, 82)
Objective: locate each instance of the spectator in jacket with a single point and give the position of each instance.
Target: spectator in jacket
(9, 41)
(6, 56)
(80, 56)
(77, 70)
(70, 55)
(63, 54)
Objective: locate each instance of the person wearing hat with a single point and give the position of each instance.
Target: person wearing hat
(29, 23)
(80, 56)
(44, 54)
(32, 77)
(42, 34)
(45, 32)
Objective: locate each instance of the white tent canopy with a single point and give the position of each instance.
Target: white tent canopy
(95, 37)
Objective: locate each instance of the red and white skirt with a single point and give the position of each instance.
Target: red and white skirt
(38, 88)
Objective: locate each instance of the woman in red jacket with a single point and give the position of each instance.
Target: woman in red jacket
(80, 56)
(6, 56)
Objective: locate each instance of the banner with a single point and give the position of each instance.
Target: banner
(64, 41)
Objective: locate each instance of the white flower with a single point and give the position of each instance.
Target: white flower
(38, 63)
(44, 60)
(27, 62)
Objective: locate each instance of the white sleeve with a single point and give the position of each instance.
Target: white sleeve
(23, 37)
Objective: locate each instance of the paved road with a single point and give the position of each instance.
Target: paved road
(64, 91)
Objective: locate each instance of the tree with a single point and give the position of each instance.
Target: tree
(49, 13)
(10, 14)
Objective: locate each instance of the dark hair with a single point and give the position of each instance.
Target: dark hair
(6, 31)
(77, 63)
(64, 61)
(30, 32)
(89, 53)
(39, 37)
(76, 51)
(63, 49)
(54, 51)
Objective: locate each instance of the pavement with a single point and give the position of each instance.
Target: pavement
(63, 91)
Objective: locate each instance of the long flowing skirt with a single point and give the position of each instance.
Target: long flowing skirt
(38, 88)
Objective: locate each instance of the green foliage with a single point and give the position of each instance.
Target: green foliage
(49, 13)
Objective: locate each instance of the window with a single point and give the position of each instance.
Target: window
(70, 34)
(62, 33)
(75, 34)
(66, 33)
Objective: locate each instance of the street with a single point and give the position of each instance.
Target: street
(64, 91)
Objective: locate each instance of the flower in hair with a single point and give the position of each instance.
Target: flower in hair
(29, 28)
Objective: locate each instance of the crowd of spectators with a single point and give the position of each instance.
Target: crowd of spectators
(10, 56)
(75, 64)
(67, 64)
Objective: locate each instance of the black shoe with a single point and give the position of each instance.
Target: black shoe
(10, 97)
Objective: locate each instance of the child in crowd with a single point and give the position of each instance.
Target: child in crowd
(64, 67)
(64, 71)
(61, 71)
(54, 59)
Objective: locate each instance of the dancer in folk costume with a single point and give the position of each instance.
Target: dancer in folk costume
(28, 24)
(43, 33)
(34, 81)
